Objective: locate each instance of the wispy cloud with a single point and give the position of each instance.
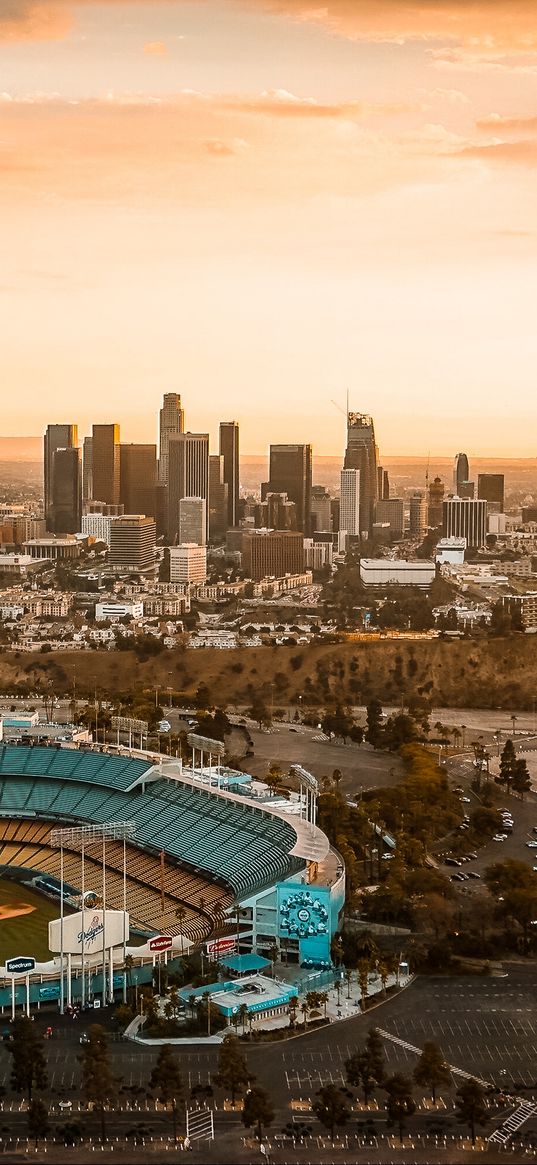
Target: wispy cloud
(498, 123)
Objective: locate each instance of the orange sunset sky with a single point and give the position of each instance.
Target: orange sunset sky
(263, 203)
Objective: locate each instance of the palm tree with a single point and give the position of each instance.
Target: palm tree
(513, 720)
(323, 998)
(243, 1015)
(180, 915)
(304, 1007)
(348, 976)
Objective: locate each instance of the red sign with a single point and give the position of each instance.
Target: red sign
(161, 942)
(221, 946)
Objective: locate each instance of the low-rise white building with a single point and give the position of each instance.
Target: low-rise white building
(385, 572)
(113, 610)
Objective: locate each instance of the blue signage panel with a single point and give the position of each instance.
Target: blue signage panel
(21, 965)
(304, 913)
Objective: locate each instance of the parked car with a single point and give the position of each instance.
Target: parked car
(499, 837)
(451, 862)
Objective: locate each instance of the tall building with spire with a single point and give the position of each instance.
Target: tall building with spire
(171, 422)
(361, 454)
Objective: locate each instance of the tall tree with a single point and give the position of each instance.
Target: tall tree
(521, 782)
(232, 1069)
(471, 1105)
(365, 1069)
(38, 1122)
(98, 1080)
(374, 723)
(29, 1066)
(401, 1103)
(167, 1082)
(508, 764)
(258, 1109)
(331, 1108)
(432, 1071)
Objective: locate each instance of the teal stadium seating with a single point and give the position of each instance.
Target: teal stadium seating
(234, 843)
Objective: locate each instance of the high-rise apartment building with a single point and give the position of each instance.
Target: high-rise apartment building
(491, 489)
(171, 422)
(229, 450)
(436, 500)
(56, 437)
(193, 521)
(66, 491)
(138, 479)
(218, 499)
(461, 472)
(106, 463)
(290, 472)
(418, 515)
(132, 542)
(361, 453)
(188, 474)
(272, 553)
(349, 505)
(465, 518)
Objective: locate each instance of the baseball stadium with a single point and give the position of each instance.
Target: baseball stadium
(187, 856)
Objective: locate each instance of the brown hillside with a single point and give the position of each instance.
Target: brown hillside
(483, 674)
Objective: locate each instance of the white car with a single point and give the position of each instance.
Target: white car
(531, 844)
(466, 800)
(499, 837)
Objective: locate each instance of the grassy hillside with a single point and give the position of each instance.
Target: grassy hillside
(483, 674)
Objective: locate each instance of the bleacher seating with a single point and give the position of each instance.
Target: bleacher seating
(213, 838)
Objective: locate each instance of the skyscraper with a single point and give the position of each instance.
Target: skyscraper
(66, 491)
(218, 499)
(188, 474)
(349, 506)
(361, 453)
(138, 479)
(229, 450)
(418, 515)
(290, 473)
(461, 472)
(436, 498)
(491, 488)
(87, 469)
(171, 422)
(105, 463)
(56, 437)
(132, 542)
(465, 518)
(193, 521)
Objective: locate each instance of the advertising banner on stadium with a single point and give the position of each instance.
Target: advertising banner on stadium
(84, 931)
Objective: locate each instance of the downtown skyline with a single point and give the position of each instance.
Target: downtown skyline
(260, 205)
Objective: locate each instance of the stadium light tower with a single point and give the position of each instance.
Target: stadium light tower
(80, 837)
